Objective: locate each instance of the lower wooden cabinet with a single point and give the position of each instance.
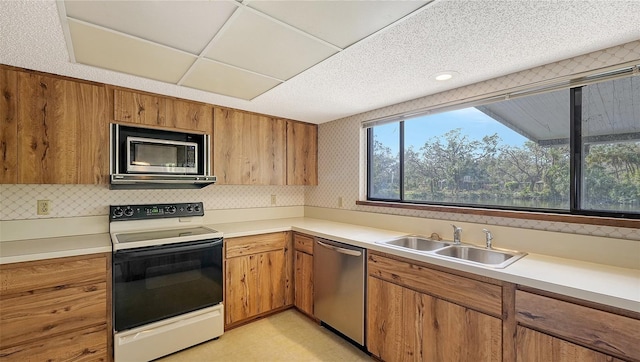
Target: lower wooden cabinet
(406, 325)
(303, 266)
(258, 276)
(534, 346)
(56, 309)
(408, 322)
(564, 330)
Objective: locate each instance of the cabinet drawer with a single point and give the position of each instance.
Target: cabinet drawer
(477, 295)
(254, 244)
(59, 273)
(45, 313)
(85, 345)
(608, 332)
(303, 243)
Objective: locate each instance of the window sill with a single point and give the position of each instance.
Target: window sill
(527, 215)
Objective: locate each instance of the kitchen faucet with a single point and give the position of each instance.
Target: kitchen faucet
(456, 234)
(489, 237)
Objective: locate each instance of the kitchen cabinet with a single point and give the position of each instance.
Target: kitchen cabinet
(258, 276)
(56, 309)
(9, 126)
(303, 266)
(419, 313)
(154, 110)
(302, 153)
(54, 130)
(568, 331)
(534, 346)
(248, 149)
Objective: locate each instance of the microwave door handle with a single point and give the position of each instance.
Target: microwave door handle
(167, 250)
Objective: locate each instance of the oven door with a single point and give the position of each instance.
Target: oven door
(158, 282)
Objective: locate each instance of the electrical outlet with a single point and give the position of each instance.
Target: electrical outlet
(44, 206)
(273, 199)
(340, 201)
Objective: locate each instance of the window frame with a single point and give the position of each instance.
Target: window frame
(574, 213)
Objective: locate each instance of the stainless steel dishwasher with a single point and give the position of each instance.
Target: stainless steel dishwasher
(339, 287)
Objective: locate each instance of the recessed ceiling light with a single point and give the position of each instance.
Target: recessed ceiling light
(442, 76)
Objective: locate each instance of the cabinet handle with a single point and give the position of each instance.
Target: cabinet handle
(339, 249)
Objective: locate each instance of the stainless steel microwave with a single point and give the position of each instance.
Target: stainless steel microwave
(155, 158)
(151, 155)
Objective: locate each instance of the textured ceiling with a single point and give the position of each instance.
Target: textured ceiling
(478, 39)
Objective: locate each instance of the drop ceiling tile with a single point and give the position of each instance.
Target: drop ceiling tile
(340, 23)
(184, 25)
(107, 49)
(218, 78)
(257, 43)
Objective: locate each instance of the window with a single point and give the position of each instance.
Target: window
(516, 154)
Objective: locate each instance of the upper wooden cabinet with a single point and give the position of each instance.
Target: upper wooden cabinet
(9, 126)
(54, 130)
(248, 149)
(302, 153)
(155, 110)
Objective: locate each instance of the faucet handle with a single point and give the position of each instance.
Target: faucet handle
(456, 229)
(489, 237)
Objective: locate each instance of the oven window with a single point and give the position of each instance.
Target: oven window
(154, 283)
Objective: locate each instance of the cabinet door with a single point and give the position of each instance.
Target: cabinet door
(154, 110)
(405, 325)
(63, 133)
(255, 284)
(189, 115)
(139, 108)
(302, 153)
(449, 332)
(533, 346)
(303, 265)
(8, 126)
(249, 149)
(384, 319)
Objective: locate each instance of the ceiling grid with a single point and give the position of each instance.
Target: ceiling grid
(391, 50)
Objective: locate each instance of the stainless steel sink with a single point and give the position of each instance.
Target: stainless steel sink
(415, 242)
(488, 257)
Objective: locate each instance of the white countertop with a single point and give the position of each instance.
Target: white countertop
(48, 248)
(617, 287)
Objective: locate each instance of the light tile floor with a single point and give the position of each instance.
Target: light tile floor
(286, 336)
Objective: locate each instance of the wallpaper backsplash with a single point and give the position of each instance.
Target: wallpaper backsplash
(19, 201)
(342, 143)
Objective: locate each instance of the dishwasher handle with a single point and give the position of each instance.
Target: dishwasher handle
(339, 249)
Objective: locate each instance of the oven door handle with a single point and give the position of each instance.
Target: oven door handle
(168, 249)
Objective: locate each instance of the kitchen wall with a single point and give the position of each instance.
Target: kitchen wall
(341, 167)
(341, 170)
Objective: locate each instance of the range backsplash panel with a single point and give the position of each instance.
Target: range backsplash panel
(18, 202)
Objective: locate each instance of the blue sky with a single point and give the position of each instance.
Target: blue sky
(471, 121)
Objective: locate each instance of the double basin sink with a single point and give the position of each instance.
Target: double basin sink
(469, 254)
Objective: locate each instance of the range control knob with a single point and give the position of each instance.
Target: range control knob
(117, 212)
(197, 208)
(189, 208)
(128, 211)
(171, 209)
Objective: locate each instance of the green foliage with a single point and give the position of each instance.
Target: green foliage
(454, 168)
